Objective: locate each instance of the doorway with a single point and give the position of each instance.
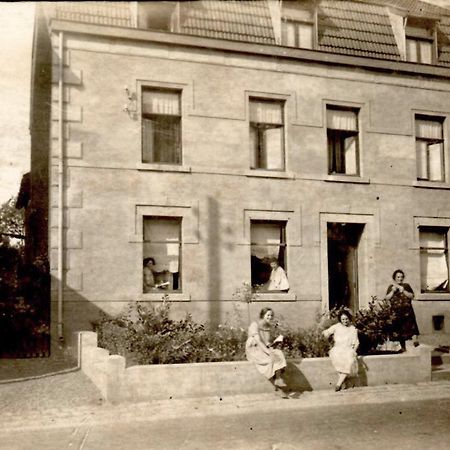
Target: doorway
(343, 269)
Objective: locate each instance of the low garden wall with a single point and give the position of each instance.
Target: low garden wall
(119, 383)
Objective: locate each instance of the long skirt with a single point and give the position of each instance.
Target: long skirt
(344, 359)
(267, 364)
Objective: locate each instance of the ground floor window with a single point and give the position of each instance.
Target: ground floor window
(434, 269)
(268, 245)
(162, 254)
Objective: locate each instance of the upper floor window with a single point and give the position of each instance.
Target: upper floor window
(429, 148)
(160, 15)
(343, 145)
(161, 126)
(420, 45)
(267, 134)
(297, 25)
(162, 254)
(434, 269)
(268, 255)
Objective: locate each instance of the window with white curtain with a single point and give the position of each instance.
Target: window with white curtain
(161, 126)
(429, 148)
(268, 240)
(162, 254)
(343, 142)
(297, 24)
(420, 40)
(434, 259)
(266, 134)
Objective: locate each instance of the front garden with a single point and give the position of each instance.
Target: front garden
(146, 334)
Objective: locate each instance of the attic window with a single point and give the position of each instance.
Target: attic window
(297, 25)
(420, 40)
(161, 16)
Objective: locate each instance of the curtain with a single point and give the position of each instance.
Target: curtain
(162, 242)
(266, 112)
(436, 164)
(342, 120)
(433, 260)
(428, 129)
(266, 240)
(351, 167)
(305, 32)
(161, 102)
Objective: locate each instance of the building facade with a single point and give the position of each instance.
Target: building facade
(183, 145)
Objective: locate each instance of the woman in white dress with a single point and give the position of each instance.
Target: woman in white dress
(343, 353)
(278, 279)
(259, 349)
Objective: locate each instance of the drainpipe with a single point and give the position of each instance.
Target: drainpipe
(61, 190)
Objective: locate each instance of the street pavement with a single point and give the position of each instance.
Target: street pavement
(393, 419)
(70, 399)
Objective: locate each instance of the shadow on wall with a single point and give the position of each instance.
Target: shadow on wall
(79, 313)
(295, 379)
(214, 263)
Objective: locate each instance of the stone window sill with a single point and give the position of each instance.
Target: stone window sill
(269, 174)
(163, 168)
(275, 297)
(347, 179)
(159, 296)
(431, 184)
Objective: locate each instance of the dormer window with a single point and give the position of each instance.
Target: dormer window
(160, 16)
(420, 40)
(297, 25)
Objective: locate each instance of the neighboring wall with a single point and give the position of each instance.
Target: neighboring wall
(108, 189)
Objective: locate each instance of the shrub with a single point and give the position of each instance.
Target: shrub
(145, 334)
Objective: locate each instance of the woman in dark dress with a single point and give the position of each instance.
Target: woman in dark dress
(401, 294)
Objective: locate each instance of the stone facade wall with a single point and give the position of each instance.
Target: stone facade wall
(108, 189)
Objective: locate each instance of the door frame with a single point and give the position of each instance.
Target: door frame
(366, 252)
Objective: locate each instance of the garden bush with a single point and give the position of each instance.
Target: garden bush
(145, 334)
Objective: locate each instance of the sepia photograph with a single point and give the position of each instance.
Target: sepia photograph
(225, 224)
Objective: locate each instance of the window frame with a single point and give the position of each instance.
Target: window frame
(420, 30)
(295, 14)
(179, 221)
(283, 244)
(443, 230)
(255, 151)
(178, 146)
(430, 141)
(342, 135)
(286, 21)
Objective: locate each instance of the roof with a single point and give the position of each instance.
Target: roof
(357, 29)
(350, 27)
(102, 13)
(248, 21)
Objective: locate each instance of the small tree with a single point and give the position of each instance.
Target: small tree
(11, 219)
(246, 294)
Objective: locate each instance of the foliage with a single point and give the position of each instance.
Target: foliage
(145, 334)
(246, 294)
(11, 219)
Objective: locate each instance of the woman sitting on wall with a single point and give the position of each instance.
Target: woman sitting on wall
(260, 350)
(343, 353)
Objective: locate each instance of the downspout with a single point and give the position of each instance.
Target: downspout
(61, 189)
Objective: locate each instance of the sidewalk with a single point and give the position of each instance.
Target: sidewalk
(70, 400)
